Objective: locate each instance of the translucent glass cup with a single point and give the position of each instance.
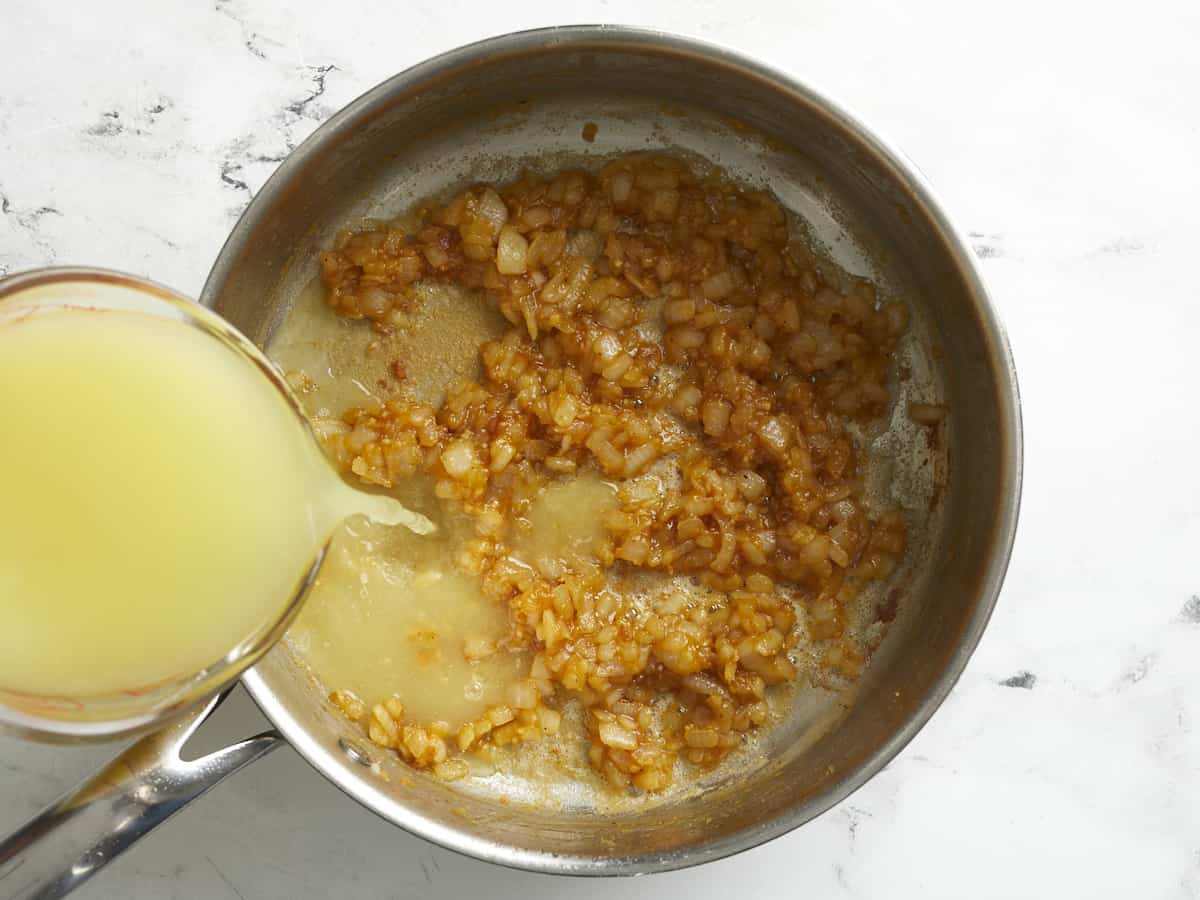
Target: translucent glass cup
(140, 707)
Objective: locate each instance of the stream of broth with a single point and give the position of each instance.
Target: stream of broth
(390, 614)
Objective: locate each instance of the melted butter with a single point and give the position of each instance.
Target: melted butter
(348, 363)
(565, 522)
(390, 614)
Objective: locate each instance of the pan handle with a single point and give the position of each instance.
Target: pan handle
(88, 827)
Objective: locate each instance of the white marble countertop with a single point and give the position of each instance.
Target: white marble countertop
(1064, 136)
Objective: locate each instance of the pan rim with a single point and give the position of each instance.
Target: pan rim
(1006, 518)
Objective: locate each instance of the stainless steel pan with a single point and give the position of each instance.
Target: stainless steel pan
(480, 113)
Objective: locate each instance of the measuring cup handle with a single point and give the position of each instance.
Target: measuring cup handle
(88, 827)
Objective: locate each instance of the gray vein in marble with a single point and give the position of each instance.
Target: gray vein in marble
(1138, 670)
(29, 221)
(1124, 245)
(252, 40)
(152, 113)
(987, 246)
(1190, 613)
(839, 872)
(114, 128)
(109, 125)
(228, 170)
(304, 107)
(237, 158)
(142, 229)
(854, 816)
(225, 878)
(246, 152)
(1023, 679)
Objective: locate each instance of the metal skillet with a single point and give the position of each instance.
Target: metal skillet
(481, 113)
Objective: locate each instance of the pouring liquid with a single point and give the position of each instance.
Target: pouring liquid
(160, 501)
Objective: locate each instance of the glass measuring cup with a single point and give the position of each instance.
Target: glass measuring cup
(80, 714)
